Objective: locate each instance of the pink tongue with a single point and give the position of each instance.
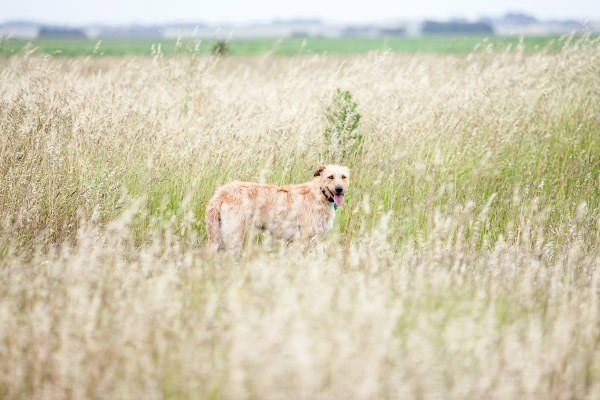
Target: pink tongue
(339, 199)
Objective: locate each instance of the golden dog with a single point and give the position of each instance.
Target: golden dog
(287, 212)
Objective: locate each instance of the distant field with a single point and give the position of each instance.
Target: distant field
(290, 46)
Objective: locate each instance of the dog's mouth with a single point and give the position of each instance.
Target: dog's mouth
(338, 198)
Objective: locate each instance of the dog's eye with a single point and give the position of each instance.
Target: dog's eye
(343, 176)
(331, 177)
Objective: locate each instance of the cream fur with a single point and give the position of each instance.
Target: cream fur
(287, 212)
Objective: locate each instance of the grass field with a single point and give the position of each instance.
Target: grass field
(464, 264)
(288, 46)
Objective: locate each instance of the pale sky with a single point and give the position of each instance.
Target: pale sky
(82, 12)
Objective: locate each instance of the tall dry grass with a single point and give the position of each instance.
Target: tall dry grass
(464, 264)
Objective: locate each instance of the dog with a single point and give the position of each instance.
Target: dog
(289, 212)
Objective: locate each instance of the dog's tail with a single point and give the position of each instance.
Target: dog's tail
(213, 224)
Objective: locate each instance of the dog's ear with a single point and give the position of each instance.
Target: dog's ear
(319, 170)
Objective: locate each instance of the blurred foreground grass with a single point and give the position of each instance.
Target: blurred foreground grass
(465, 262)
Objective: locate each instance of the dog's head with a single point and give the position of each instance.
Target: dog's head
(333, 181)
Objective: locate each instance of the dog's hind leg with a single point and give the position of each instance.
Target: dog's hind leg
(213, 225)
(233, 229)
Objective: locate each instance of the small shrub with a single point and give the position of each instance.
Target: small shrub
(220, 47)
(342, 138)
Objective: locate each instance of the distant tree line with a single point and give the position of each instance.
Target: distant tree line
(433, 27)
(373, 31)
(53, 32)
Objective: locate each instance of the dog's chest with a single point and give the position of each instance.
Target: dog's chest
(330, 216)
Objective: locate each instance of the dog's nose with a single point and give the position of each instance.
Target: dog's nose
(339, 189)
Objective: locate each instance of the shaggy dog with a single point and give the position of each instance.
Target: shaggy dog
(288, 212)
